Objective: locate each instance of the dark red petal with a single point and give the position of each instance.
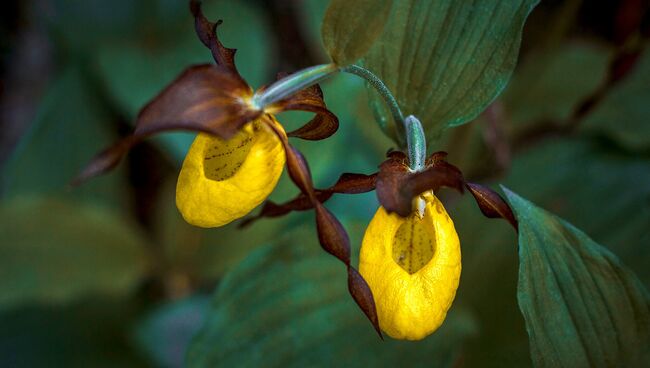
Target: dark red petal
(105, 160)
(491, 204)
(391, 178)
(207, 32)
(206, 98)
(397, 185)
(348, 183)
(331, 233)
(322, 126)
(360, 291)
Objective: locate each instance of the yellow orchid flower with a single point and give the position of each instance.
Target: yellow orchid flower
(223, 180)
(412, 266)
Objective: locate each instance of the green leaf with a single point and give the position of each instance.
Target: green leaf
(550, 83)
(70, 127)
(54, 251)
(91, 333)
(615, 185)
(287, 305)
(445, 61)
(351, 27)
(623, 113)
(581, 305)
(165, 332)
(206, 254)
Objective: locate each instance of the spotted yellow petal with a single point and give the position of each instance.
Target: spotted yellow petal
(222, 181)
(413, 268)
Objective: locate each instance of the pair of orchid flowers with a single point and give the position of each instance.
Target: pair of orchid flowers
(410, 256)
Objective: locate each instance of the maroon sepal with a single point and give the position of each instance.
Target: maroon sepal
(310, 99)
(491, 204)
(207, 98)
(204, 98)
(331, 233)
(397, 185)
(207, 32)
(348, 183)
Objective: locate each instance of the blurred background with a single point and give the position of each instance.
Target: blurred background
(108, 274)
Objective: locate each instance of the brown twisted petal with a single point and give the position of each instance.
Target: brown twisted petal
(491, 204)
(310, 99)
(397, 185)
(348, 183)
(331, 234)
(207, 33)
(207, 98)
(204, 98)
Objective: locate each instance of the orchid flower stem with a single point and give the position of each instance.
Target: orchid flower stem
(415, 139)
(410, 127)
(293, 83)
(381, 88)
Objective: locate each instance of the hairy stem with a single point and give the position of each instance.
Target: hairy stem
(385, 93)
(411, 128)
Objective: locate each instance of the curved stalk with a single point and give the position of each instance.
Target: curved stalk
(293, 83)
(385, 93)
(409, 127)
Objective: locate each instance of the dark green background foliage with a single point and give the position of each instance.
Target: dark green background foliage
(108, 274)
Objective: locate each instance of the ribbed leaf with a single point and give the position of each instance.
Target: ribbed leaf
(286, 305)
(549, 84)
(582, 307)
(445, 61)
(54, 251)
(351, 27)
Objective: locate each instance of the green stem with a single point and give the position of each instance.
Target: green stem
(409, 127)
(293, 83)
(381, 88)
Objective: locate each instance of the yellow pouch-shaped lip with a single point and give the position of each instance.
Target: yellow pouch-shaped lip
(221, 181)
(412, 266)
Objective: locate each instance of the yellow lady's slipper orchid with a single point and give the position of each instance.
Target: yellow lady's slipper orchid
(412, 266)
(223, 180)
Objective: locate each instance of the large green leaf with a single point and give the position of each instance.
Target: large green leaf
(582, 307)
(91, 333)
(547, 174)
(166, 331)
(549, 84)
(595, 187)
(624, 113)
(206, 254)
(70, 127)
(287, 305)
(351, 27)
(54, 251)
(445, 61)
